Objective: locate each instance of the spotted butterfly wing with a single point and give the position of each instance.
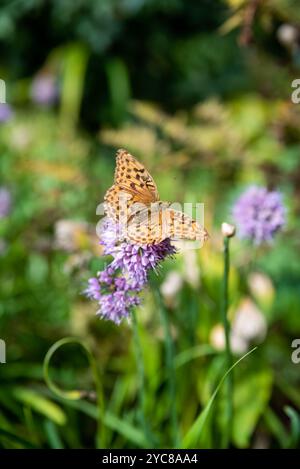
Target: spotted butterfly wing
(132, 183)
(155, 225)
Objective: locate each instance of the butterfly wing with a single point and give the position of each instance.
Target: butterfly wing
(182, 226)
(133, 177)
(120, 205)
(112, 202)
(145, 227)
(155, 225)
(133, 180)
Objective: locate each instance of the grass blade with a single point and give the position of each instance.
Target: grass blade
(192, 437)
(295, 427)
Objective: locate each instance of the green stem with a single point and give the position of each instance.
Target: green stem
(76, 394)
(141, 378)
(170, 366)
(226, 324)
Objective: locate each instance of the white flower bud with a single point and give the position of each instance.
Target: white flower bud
(287, 34)
(228, 230)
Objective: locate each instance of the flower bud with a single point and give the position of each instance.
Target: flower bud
(228, 230)
(287, 34)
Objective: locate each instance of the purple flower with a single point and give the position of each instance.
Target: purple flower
(44, 90)
(116, 287)
(114, 294)
(136, 260)
(6, 112)
(259, 214)
(109, 234)
(116, 306)
(93, 289)
(5, 202)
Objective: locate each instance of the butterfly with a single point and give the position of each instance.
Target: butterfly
(133, 201)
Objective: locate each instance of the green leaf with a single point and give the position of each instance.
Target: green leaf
(251, 396)
(118, 83)
(119, 425)
(192, 353)
(276, 427)
(53, 435)
(75, 62)
(16, 439)
(295, 427)
(40, 404)
(288, 390)
(191, 439)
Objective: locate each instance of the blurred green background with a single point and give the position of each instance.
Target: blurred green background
(200, 92)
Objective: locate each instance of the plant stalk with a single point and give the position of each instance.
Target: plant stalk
(226, 324)
(171, 375)
(141, 379)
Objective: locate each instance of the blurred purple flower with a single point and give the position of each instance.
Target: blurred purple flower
(6, 112)
(5, 202)
(44, 90)
(259, 214)
(116, 287)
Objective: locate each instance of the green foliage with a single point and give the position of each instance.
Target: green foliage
(207, 109)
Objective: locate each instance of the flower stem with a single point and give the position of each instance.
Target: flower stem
(141, 378)
(169, 350)
(76, 394)
(226, 324)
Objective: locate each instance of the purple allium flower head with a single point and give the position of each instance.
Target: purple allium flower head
(44, 89)
(5, 202)
(116, 306)
(116, 287)
(259, 214)
(136, 260)
(115, 295)
(6, 112)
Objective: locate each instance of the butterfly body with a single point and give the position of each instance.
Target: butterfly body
(133, 201)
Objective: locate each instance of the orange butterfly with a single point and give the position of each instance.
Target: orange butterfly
(133, 201)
